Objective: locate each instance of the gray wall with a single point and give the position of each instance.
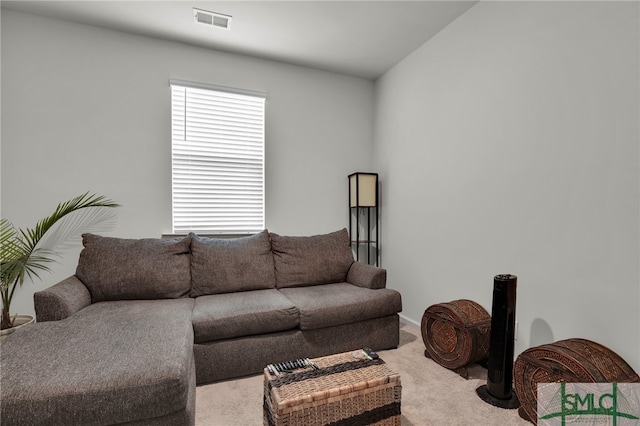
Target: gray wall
(89, 109)
(508, 143)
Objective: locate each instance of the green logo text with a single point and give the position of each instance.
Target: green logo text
(601, 405)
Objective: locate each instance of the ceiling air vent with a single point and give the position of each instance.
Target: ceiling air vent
(212, 19)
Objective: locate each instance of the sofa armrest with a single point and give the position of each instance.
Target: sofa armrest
(61, 300)
(367, 276)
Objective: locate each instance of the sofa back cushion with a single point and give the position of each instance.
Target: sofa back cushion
(120, 269)
(228, 265)
(318, 259)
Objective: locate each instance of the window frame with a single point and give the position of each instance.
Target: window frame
(233, 160)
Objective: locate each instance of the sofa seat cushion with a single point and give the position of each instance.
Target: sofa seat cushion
(341, 303)
(246, 313)
(126, 269)
(220, 265)
(112, 362)
(318, 259)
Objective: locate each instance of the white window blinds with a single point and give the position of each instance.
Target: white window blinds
(217, 139)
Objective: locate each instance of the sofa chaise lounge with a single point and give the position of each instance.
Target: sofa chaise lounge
(127, 338)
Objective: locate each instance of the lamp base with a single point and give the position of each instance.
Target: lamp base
(508, 404)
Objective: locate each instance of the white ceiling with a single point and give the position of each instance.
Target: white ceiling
(360, 38)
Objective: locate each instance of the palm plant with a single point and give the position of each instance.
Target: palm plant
(25, 253)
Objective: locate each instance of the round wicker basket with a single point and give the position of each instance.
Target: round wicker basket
(570, 361)
(456, 333)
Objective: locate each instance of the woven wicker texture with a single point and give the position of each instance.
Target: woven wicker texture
(456, 333)
(571, 361)
(344, 391)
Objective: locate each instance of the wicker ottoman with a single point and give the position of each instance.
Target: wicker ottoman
(570, 360)
(343, 391)
(456, 334)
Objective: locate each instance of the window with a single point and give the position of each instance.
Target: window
(217, 140)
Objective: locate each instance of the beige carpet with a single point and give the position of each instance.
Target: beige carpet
(431, 394)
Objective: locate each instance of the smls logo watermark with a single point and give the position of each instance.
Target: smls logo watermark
(616, 404)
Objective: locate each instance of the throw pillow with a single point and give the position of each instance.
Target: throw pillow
(318, 259)
(220, 265)
(121, 269)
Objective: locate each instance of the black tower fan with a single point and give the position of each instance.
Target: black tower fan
(498, 390)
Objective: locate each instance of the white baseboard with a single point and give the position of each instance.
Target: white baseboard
(409, 322)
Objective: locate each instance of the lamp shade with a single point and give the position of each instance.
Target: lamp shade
(363, 189)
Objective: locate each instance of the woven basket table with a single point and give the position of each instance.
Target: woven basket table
(571, 361)
(457, 333)
(343, 391)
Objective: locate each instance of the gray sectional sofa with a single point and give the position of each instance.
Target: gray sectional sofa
(127, 338)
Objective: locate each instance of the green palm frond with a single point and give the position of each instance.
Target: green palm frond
(7, 234)
(12, 251)
(27, 252)
(15, 270)
(33, 236)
